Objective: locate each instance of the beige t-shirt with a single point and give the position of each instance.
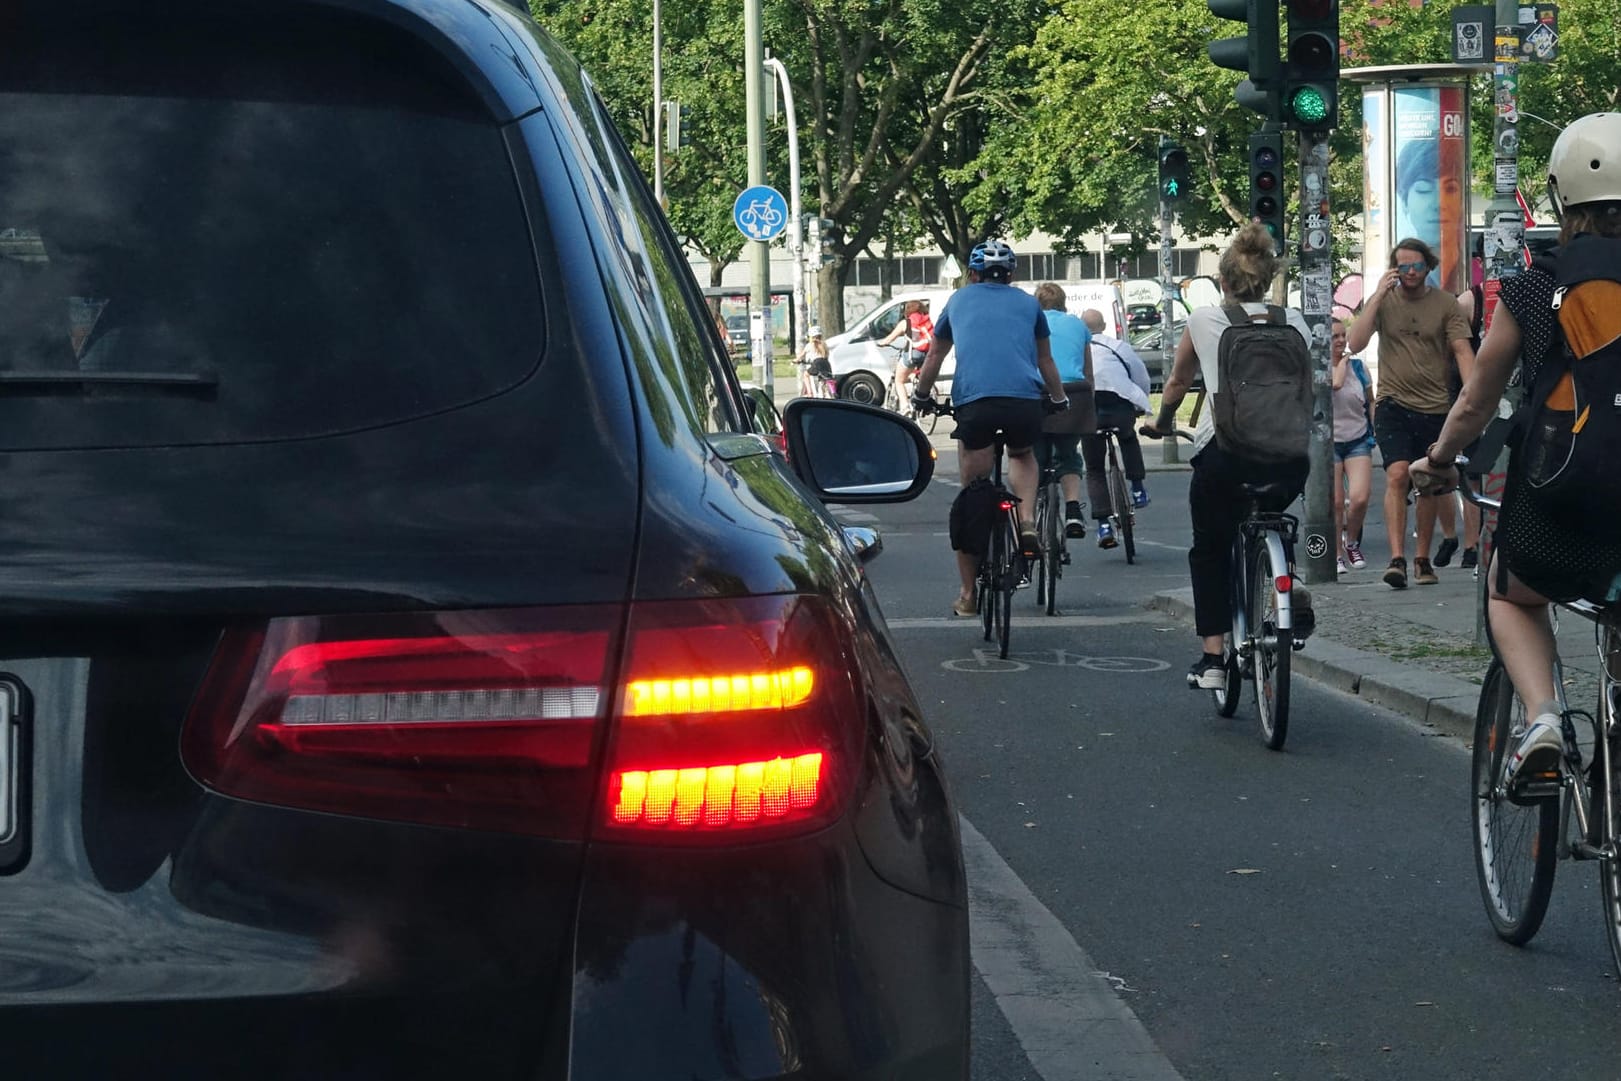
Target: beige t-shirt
(1415, 348)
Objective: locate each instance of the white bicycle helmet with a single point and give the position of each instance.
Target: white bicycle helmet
(1585, 165)
(991, 254)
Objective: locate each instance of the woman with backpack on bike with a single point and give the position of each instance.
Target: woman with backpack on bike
(1557, 535)
(1226, 458)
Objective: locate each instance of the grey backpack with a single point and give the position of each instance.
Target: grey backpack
(1263, 409)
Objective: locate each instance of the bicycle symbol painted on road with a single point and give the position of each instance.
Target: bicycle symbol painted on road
(986, 660)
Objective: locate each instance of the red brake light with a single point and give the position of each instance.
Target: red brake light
(481, 719)
(1284, 583)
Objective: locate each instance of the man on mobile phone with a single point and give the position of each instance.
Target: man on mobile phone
(1421, 333)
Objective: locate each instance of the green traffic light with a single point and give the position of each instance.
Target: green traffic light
(1309, 105)
(1171, 188)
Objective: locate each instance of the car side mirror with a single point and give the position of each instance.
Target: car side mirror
(852, 453)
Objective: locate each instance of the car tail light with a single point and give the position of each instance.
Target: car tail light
(737, 716)
(729, 716)
(482, 719)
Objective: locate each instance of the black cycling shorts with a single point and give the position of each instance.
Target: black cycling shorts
(1018, 419)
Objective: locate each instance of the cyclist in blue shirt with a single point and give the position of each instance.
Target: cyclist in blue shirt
(1004, 360)
(1071, 344)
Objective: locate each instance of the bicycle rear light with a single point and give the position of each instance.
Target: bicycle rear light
(1283, 583)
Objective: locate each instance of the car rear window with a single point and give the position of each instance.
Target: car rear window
(219, 229)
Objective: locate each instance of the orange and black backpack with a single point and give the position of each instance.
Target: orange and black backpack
(1570, 423)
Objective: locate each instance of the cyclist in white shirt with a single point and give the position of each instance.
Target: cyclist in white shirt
(1120, 380)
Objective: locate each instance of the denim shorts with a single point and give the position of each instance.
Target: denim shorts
(1354, 448)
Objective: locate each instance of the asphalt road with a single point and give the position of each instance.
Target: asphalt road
(1158, 896)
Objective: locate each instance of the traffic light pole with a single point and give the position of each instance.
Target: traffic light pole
(1171, 448)
(1316, 557)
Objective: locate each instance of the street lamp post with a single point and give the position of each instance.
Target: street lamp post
(795, 245)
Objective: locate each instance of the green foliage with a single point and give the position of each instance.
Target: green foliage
(923, 121)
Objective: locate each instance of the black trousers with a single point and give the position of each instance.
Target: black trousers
(1218, 506)
(1113, 412)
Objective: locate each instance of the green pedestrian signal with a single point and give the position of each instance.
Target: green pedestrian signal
(1173, 173)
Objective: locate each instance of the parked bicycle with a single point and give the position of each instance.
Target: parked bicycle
(1521, 830)
(1261, 642)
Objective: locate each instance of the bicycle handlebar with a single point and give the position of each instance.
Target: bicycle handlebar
(1148, 431)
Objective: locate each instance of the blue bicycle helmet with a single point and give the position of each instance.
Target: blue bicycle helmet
(991, 255)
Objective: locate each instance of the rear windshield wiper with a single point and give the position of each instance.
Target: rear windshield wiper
(202, 384)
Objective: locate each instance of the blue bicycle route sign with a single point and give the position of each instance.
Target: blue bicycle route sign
(761, 213)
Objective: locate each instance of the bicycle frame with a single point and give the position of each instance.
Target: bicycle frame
(1277, 532)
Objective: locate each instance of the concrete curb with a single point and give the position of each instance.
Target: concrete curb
(1445, 703)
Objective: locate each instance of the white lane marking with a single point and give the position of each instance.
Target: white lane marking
(1061, 1007)
(963, 623)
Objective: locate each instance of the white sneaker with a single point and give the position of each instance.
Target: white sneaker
(1340, 567)
(1537, 751)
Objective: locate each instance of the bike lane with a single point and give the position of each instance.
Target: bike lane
(1304, 914)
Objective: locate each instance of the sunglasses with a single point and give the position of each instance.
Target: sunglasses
(1412, 268)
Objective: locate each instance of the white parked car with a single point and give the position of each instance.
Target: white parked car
(862, 369)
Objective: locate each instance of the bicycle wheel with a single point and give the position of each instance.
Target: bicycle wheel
(1051, 527)
(1273, 649)
(1041, 527)
(1226, 696)
(1120, 496)
(1007, 580)
(1516, 845)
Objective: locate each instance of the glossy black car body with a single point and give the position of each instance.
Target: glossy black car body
(344, 356)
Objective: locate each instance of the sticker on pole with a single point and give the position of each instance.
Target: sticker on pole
(761, 213)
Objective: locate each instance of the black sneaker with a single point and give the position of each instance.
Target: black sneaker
(1209, 673)
(1443, 554)
(1470, 559)
(1074, 521)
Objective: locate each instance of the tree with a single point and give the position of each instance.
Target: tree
(703, 70)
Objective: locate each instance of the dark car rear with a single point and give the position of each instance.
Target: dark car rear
(414, 663)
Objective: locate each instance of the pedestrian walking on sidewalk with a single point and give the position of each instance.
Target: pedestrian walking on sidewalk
(1120, 392)
(1216, 501)
(1353, 449)
(1563, 311)
(1421, 333)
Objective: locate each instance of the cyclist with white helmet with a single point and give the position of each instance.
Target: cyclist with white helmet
(1535, 557)
(1004, 361)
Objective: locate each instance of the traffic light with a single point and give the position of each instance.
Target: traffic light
(1311, 78)
(1255, 53)
(677, 126)
(1173, 173)
(1266, 183)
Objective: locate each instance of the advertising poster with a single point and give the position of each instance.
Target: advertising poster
(1430, 181)
(1376, 236)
